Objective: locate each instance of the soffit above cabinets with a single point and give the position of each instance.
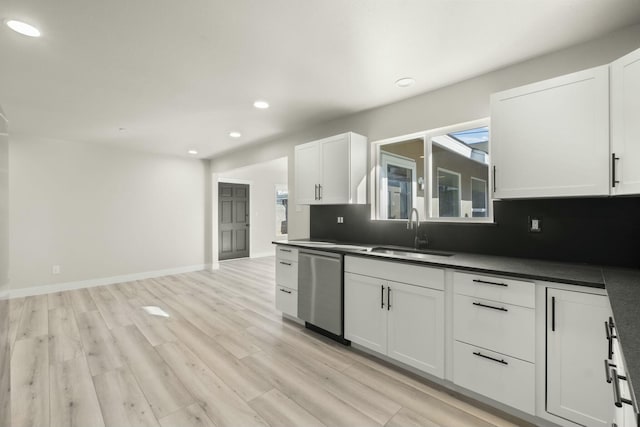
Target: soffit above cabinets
(167, 77)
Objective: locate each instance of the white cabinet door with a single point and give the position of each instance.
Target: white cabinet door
(416, 327)
(307, 173)
(365, 311)
(335, 184)
(551, 138)
(576, 348)
(625, 124)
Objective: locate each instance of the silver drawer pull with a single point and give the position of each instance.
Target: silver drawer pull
(485, 282)
(285, 250)
(285, 263)
(617, 399)
(285, 291)
(479, 304)
(477, 353)
(607, 370)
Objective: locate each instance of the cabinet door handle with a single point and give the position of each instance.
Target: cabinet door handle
(285, 250)
(485, 282)
(285, 263)
(607, 370)
(617, 399)
(477, 353)
(381, 296)
(553, 314)
(285, 291)
(319, 191)
(315, 192)
(494, 178)
(614, 181)
(479, 304)
(388, 298)
(608, 328)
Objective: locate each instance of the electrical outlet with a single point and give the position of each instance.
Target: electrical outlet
(340, 220)
(535, 224)
(56, 269)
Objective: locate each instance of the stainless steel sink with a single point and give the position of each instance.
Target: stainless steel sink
(410, 254)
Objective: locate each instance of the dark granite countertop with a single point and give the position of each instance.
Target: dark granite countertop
(622, 285)
(561, 272)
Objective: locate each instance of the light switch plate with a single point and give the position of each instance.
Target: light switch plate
(535, 224)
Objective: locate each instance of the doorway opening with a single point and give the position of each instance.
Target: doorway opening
(233, 221)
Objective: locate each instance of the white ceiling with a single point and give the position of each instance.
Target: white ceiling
(179, 75)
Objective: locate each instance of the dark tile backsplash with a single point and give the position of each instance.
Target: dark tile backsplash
(604, 231)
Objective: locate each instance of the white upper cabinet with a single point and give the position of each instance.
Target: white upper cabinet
(332, 170)
(551, 138)
(625, 124)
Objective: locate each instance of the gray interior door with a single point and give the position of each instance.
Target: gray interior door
(233, 220)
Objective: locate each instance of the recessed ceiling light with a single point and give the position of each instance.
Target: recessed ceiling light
(235, 134)
(405, 82)
(261, 104)
(23, 28)
(193, 152)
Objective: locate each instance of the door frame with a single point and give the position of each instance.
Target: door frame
(222, 180)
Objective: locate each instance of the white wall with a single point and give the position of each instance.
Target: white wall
(101, 212)
(262, 179)
(4, 208)
(461, 102)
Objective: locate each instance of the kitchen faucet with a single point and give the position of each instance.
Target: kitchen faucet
(417, 241)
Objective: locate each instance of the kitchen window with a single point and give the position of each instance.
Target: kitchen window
(443, 173)
(282, 210)
(398, 189)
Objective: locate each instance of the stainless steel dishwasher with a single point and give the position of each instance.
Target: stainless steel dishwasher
(320, 292)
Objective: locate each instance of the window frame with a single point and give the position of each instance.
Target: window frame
(486, 195)
(403, 162)
(457, 174)
(427, 136)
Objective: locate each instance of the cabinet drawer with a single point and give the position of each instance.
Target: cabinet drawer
(505, 328)
(412, 274)
(499, 289)
(287, 253)
(499, 377)
(287, 300)
(287, 273)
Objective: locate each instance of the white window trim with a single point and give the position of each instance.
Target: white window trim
(427, 135)
(405, 162)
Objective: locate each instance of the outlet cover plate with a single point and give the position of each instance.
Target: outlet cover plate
(535, 224)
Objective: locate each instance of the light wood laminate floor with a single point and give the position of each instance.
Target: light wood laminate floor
(203, 349)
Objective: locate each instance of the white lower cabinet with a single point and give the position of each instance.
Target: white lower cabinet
(402, 321)
(287, 301)
(505, 328)
(416, 327)
(365, 314)
(576, 348)
(506, 379)
(287, 280)
(494, 326)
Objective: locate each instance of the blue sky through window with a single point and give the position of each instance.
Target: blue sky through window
(472, 136)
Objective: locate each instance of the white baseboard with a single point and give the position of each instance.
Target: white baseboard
(68, 286)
